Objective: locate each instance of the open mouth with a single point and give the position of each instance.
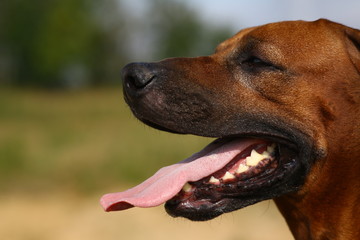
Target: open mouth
(245, 179)
(228, 174)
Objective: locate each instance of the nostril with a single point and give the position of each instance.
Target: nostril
(138, 75)
(135, 81)
(142, 81)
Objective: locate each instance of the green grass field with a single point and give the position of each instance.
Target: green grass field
(81, 140)
(60, 151)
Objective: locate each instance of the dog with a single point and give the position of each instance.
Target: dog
(283, 102)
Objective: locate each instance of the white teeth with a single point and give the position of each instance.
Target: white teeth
(228, 176)
(214, 180)
(266, 154)
(242, 168)
(187, 187)
(271, 149)
(254, 158)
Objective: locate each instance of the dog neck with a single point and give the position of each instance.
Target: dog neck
(330, 212)
(327, 206)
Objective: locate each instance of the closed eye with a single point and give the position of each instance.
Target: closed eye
(256, 62)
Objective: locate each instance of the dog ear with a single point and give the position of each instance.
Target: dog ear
(353, 46)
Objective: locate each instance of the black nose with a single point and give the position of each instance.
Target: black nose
(137, 75)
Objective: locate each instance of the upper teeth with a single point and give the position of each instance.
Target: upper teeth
(270, 149)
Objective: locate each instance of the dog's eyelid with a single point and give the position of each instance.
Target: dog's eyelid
(254, 61)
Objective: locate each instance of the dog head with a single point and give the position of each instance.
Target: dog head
(272, 92)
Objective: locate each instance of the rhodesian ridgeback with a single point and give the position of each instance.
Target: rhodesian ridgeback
(283, 101)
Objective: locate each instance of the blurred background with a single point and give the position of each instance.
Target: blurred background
(66, 136)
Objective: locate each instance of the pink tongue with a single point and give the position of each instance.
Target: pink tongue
(168, 181)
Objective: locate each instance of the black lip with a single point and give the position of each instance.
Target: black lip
(159, 127)
(211, 202)
(290, 179)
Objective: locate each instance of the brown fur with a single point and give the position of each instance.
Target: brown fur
(327, 207)
(315, 90)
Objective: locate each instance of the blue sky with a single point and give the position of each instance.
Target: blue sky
(239, 14)
(246, 13)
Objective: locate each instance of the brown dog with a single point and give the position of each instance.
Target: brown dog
(283, 100)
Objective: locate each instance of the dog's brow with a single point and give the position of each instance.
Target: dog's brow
(233, 41)
(222, 47)
(266, 49)
(250, 42)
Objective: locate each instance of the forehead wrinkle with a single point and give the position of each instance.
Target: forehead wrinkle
(270, 51)
(256, 46)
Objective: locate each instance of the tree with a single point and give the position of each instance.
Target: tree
(75, 43)
(180, 32)
(54, 43)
